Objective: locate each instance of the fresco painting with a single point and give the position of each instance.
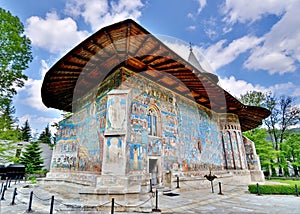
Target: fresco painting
(113, 149)
(154, 147)
(242, 150)
(136, 157)
(228, 151)
(235, 149)
(111, 134)
(86, 135)
(116, 112)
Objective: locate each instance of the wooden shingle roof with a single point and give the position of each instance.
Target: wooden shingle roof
(128, 44)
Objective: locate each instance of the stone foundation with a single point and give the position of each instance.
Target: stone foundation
(257, 176)
(132, 193)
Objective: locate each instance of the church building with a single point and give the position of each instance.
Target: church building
(139, 112)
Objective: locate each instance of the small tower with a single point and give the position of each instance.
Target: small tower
(194, 61)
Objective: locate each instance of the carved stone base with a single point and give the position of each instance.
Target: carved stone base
(257, 176)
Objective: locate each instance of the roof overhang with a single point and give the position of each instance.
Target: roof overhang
(128, 44)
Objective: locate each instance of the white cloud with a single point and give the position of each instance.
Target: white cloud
(202, 4)
(191, 16)
(191, 27)
(281, 49)
(99, 13)
(273, 62)
(53, 34)
(32, 89)
(218, 55)
(238, 87)
(39, 121)
(245, 10)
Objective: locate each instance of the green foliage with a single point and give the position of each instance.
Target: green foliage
(15, 54)
(284, 115)
(32, 180)
(291, 150)
(45, 136)
(7, 151)
(26, 132)
(273, 189)
(264, 148)
(287, 181)
(32, 158)
(253, 98)
(7, 120)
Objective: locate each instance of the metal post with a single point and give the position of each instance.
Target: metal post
(30, 202)
(112, 205)
(156, 202)
(3, 193)
(297, 190)
(52, 204)
(220, 189)
(150, 185)
(6, 184)
(258, 189)
(156, 199)
(2, 185)
(177, 182)
(9, 182)
(212, 186)
(13, 198)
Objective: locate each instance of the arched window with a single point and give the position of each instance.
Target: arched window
(152, 118)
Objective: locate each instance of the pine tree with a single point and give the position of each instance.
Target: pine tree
(26, 132)
(45, 136)
(7, 120)
(32, 158)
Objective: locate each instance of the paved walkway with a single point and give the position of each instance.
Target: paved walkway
(186, 199)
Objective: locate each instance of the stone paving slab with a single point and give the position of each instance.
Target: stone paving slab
(235, 199)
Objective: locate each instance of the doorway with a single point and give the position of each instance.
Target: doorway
(154, 170)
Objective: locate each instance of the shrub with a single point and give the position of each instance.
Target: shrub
(32, 180)
(273, 189)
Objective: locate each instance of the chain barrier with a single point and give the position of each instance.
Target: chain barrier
(22, 202)
(195, 187)
(241, 185)
(138, 205)
(41, 199)
(22, 193)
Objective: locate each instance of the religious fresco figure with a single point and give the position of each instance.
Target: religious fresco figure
(116, 113)
(135, 158)
(114, 151)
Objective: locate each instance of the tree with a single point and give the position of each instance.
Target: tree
(32, 158)
(15, 54)
(254, 98)
(291, 148)
(284, 115)
(7, 121)
(264, 149)
(45, 136)
(26, 132)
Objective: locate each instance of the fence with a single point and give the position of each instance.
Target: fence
(47, 203)
(30, 197)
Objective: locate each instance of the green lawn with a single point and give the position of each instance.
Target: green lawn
(286, 181)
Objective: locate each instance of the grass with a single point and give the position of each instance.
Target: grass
(287, 187)
(286, 181)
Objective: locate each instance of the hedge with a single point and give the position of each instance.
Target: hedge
(273, 189)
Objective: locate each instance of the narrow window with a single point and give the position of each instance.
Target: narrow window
(152, 122)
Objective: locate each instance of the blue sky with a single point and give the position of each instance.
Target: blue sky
(251, 45)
